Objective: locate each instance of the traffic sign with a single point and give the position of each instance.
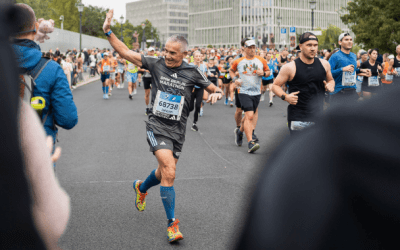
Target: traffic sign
(292, 29)
(149, 40)
(283, 31)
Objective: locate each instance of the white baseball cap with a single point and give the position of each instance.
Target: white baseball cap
(105, 54)
(151, 49)
(249, 43)
(212, 51)
(391, 57)
(343, 35)
(234, 53)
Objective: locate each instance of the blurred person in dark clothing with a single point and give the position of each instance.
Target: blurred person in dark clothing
(336, 186)
(34, 209)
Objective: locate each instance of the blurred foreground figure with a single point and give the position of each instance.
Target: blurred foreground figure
(337, 186)
(34, 209)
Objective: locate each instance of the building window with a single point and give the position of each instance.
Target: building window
(181, 21)
(179, 14)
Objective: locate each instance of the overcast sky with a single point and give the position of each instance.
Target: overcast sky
(117, 5)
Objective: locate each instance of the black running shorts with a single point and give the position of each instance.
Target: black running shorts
(266, 82)
(249, 102)
(226, 80)
(237, 101)
(157, 142)
(147, 82)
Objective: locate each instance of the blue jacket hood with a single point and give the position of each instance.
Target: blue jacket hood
(27, 53)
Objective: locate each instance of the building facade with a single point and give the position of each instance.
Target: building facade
(170, 17)
(226, 22)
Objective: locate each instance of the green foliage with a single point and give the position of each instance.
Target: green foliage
(376, 23)
(92, 20)
(329, 38)
(209, 46)
(41, 8)
(70, 12)
(129, 30)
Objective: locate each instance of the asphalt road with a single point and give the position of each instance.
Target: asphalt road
(108, 150)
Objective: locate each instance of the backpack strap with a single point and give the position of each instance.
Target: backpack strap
(37, 70)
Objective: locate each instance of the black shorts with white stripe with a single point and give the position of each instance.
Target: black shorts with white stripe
(157, 142)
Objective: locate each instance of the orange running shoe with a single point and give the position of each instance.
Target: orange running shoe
(173, 232)
(140, 201)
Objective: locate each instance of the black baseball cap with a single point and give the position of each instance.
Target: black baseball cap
(306, 37)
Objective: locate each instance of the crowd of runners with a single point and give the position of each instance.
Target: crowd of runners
(178, 80)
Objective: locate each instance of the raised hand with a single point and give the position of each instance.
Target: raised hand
(107, 22)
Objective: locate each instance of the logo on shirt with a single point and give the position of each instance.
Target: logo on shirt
(174, 75)
(163, 143)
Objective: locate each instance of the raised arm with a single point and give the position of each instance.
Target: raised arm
(119, 46)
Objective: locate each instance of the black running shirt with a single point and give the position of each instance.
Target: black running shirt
(171, 93)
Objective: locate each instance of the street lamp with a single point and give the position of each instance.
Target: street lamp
(80, 9)
(143, 37)
(313, 6)
(62, 21)
(122, 22)
(279, 27)
(152, 36)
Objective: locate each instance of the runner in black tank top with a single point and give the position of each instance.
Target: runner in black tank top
(309, 80)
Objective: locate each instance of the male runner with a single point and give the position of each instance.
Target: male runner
(307, 77)
(132, 78)
(114, 65)
(121, 71)
(104, 67)
(344, 69)
(172, 84)
(251, 68)
(147, 82)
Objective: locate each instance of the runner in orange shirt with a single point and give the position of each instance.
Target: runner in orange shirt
(104, 67)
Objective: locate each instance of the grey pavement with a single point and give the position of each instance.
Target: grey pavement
(108, 150)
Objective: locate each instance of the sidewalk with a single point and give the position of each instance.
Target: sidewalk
(87, 79)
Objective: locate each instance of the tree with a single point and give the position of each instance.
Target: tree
(329, 37)
(41, 8)
(70, 12)
(376, 23)
(92, 20)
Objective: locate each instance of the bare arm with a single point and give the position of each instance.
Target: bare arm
(50, 202)
(284, 76)
(119, 46)
(330, 82)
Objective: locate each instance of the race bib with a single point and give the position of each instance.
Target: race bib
(106, 68)
(297, 125)
(373, 81)
(389, 78)
(168, 106)
(131, 67)
(349, 78)
(360, 78)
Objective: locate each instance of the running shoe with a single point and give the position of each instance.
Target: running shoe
(238, 137)
(231, 104)
(106, 97)
(140, 201)
(109, 94)
(135, 92)
(253, 146)
(201, 112)
(229, 98)
(195, 128)
(255, 137)
(130, 97)
(270, 104)
(226, 101)
(147, 111)
(173, 232)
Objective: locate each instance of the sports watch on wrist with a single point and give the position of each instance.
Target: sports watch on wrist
(283, 97)
(108, 33)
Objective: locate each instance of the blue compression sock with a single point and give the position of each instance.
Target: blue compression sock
(106, 90)
(168, 199)
(150, 181)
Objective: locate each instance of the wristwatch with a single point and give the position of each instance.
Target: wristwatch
(108, 33)
(283, 97)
